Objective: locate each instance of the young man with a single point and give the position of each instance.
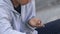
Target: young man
(13, 21)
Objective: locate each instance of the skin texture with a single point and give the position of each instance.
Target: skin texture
(35, 22)
(23, 2)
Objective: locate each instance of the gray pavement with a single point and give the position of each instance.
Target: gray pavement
(46, 11)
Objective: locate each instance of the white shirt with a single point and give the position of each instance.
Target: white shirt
(11, 22)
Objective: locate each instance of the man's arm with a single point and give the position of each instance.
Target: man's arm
(32, 20)
(5, 20)
(28, 12)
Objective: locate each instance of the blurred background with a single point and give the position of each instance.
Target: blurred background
(48, 10)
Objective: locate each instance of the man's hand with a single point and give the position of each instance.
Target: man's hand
(34, 22)
(24, 2)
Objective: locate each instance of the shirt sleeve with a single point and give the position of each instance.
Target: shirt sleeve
(32, 12)
(5, 23)
(28, 12)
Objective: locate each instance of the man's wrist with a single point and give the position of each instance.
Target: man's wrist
(33, 28)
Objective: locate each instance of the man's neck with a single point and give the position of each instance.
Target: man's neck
(15, 3)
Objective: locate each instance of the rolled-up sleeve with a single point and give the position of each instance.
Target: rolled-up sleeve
(5, 25)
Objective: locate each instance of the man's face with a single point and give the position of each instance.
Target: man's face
(23, 2)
